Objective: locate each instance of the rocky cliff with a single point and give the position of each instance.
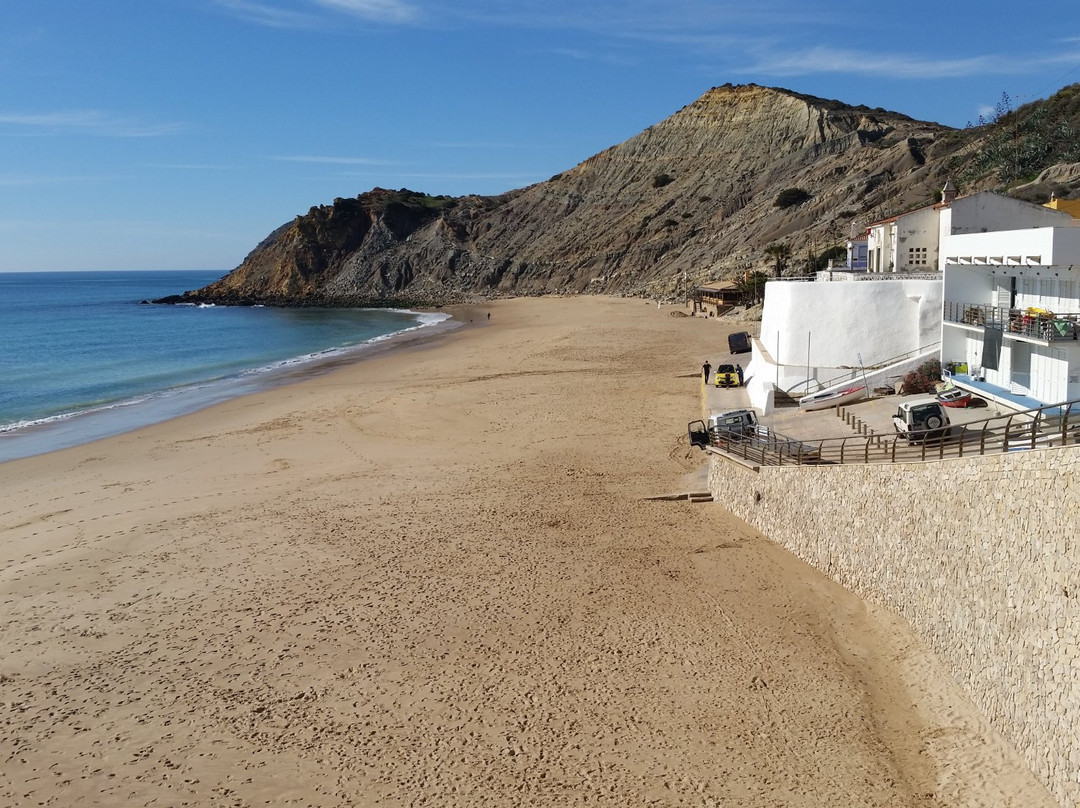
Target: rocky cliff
(695, 197)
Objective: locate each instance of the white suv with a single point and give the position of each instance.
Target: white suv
(921, 419)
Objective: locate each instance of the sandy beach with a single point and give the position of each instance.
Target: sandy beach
(434, 577)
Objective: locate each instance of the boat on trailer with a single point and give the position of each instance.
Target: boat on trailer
(831, 398)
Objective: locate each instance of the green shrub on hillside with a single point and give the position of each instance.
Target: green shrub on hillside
(790, 197)
(379, 200)
(1024, 141)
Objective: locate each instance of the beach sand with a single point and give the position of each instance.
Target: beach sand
(433, 578)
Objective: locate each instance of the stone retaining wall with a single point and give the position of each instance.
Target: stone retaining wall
(980, 555)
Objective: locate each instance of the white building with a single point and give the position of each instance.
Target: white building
(987, 211)
(819, 334)
(857, 249)
(904, 244)
(992, 286)
(1012, 300)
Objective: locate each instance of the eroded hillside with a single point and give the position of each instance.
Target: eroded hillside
(692, 198)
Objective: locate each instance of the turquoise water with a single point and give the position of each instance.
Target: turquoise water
(81, 356)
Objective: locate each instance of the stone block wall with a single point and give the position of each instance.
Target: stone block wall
(980, 555)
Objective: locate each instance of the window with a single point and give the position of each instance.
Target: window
(917, 256)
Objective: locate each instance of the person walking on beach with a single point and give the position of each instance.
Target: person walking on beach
(705, 370)
(738, 372)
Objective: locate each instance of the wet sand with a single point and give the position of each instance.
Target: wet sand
(434, 578)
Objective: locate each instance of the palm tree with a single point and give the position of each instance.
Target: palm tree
(750, 286)
(780, 252)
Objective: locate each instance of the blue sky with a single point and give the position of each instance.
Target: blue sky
(176, 134)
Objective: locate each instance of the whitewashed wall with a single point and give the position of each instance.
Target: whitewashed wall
(879, 319)
(916, 230)
(987, 211)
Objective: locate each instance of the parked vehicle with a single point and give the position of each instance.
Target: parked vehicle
(921, 419)
(723, 426)
(727, 376)
(738, 422)
(739, 342)
(739, 432)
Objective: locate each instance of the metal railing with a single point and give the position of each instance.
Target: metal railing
(854, 275)
(1052, 426)
(854, 373)
(1030, 322)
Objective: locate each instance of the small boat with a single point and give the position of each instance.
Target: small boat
(954, 397)
(830, 398)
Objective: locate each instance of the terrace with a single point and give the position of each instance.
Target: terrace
(1034, 324)
(1046, 427)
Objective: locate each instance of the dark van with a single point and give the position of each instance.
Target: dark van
(739, 342)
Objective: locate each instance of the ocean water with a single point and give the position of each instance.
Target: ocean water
(81, 357)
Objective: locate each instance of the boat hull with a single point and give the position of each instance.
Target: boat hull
(832, 398)
(957, 402)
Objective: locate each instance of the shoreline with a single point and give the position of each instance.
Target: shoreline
(67, 430)
(436, 576)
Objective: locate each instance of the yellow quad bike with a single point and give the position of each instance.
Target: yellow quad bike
(727, 376)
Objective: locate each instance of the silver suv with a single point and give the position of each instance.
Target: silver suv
(731, 425)
(738, 422)
(921, 419)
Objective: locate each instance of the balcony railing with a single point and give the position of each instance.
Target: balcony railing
(1030, 322)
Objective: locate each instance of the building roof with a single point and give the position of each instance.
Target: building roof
(718, 286)
(905, 213)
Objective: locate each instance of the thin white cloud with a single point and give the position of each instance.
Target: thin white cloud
(269, 15)
(896, 65)
(640, 17)
(341, 161)
(474, 144)
(592, 56)
(378, 10)
(82, 121)
(194, 166)
(311, 14)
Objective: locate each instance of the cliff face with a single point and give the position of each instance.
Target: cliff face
(689, 199)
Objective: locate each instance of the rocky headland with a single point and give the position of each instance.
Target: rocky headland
(696, 197)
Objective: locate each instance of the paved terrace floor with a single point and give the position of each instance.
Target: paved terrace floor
(866, 417)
